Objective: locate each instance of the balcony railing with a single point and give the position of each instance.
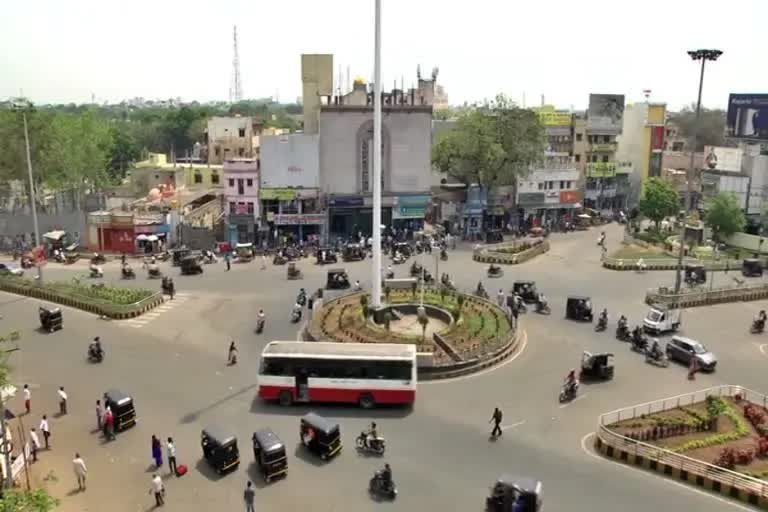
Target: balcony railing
(603, 147)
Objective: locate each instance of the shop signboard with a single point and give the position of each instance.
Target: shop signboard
(551, 197)
(530, 198)
(409, 212)
(569, 196)
(279, 194)
(413, 200)
(295, 219)
(345, 201)
(601, 169)
(723, 159)
(548, 116)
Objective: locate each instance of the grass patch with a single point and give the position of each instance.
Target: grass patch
(88, 293)
(634, 252)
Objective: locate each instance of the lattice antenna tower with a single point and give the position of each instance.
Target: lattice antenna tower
(235, 87)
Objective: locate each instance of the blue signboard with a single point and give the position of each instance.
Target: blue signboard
(345, 201)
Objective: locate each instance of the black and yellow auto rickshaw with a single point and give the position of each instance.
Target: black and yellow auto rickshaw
(293, 272)
(511, 494)
(494, 236)
(191, 266)
(596, 366)
(320, 436)
(179, 255)
(122, 408)
(579, 308)
(752, 267)
(51, 319)
(353, 252)
(526, 290)
(325, 256)
(337, 279)
(695, 274)
(269, 453)
(220, 449)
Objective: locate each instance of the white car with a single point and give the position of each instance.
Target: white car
(10, 269)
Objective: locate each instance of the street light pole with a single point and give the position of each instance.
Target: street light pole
(376, 270)
(703, 56)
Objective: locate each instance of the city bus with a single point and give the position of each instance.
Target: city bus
(362, 373)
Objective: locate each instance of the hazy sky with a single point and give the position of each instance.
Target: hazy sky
(65, 50)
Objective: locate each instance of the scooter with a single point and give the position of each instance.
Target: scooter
(601, 325)
(259, 326)
(94, 355)
(295, 316)
(622, 333)
(757, 327)
(639, 345)
(97, 272)
(658, 359)
(365, 444)
(377, 486)
(568, 392)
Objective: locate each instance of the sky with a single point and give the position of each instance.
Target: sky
(64, 51)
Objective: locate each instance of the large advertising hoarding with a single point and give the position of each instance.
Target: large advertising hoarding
(549, 117)
(606, 114)
(747, 116)
(723, 159)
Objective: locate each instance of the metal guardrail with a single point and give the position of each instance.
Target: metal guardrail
(698, 296)
(666, 263)
(677, 460)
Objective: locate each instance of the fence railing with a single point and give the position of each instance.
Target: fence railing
(677, 460)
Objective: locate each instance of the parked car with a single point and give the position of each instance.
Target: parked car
(10, 269)
(684, 349)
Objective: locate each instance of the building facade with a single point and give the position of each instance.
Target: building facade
(290, 195)
(231, 137)
(641, 143)
(346, 161)
(241, 200)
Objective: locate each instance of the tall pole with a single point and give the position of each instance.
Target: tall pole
(704, 56)
(376, 270)
(32, 196)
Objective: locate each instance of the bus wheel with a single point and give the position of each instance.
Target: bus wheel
(285, 398)
(366, 401)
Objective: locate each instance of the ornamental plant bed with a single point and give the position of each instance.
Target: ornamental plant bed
(735, 440)
(88, 293)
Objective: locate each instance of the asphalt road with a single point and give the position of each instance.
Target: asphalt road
(173, 363)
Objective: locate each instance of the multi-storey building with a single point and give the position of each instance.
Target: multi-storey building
(241, 200)
(231, 137)
(641, 143)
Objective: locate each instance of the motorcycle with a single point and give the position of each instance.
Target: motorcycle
(757, 327)
(568, 392)
(378, 486)
(658, 358)
(639, 344)
(495, 271)
(390, 275)
(259, 326)
(95, 355)
(443, 255)
(375, 445)
(128, 273)
(622, 333)
(301, 299)
(96, 272)
(602, 324)
(295, 315)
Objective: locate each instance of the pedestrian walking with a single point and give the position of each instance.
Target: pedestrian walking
(496, 419)
(171, 451)
(157, 451)
(227, 261)
(263, 262)
(109, 424)
(27, 398)
(248, 497)
(45, 430)
(232, 355)
(171, 288)
(99, 415)
(78, 465)
(62, 401)
(693, 368)
(159, 489)
(500, 297)
(35, 445)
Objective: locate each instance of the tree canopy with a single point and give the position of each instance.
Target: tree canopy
(491, 144)
(17, 500)
(724, 215)
(660, 200)
(711, 126)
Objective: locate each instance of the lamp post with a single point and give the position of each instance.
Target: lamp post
(703, 56)
(376, 270)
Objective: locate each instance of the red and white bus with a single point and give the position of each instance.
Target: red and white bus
(362, 373)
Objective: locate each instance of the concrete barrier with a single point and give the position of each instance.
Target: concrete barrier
(696, 298)
(497, 254)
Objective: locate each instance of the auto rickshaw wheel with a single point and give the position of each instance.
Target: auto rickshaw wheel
(285, 398)
(366, 401)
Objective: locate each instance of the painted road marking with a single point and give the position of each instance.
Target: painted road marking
(514, 425)
(523, 345)
(689, 488)
(138, 323)
(579, 397)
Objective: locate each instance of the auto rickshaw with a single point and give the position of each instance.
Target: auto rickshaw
(293, 272)
(51, 319)
(244, 252)
(179, 255)
(353, 252)
(191, 266)
(695, 274)
(220, 449)
(494, 236)
(416, 269)
(511, 494)
(752, 267)
(122, 408)
(269, 453)
(325, 255)
(292, 253)
(579, 308)
(337, 279)
(582, 222)
(596, 366)
(403, 248)
(70, 254)
(320, 435)
(526, 290)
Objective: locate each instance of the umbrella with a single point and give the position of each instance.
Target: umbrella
(142, 237)
(152, 238)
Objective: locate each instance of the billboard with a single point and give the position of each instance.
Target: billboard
(606, 114)
(548, 116)
(722, 159)
(747, 116)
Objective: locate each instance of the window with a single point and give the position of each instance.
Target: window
(241, 132)
(578, 137)
(678, 146)
(562, 184)
(249, 182)
(605, 158)
(198, 178)
(669, 133)
(250, 207)
(214, 178)
(232, 208)
(568, 184)
(578, 158)
(240, 188)
(666, 145)
(541, 186)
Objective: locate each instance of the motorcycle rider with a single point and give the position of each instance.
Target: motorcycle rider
(760, 320)
(622, 329)
(480, 289)
(655, 351)
(296, 313)
(386, 477)
(94, 349)
(371, 436)
(261, 319)
(571, 381)
(358, 287)
(603, 319)
(541, 302)
(302, 297)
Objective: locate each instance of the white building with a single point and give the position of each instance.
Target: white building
(231, 137)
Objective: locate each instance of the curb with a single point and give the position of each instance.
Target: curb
(707, 298)
(489, 255)
(703, 481)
